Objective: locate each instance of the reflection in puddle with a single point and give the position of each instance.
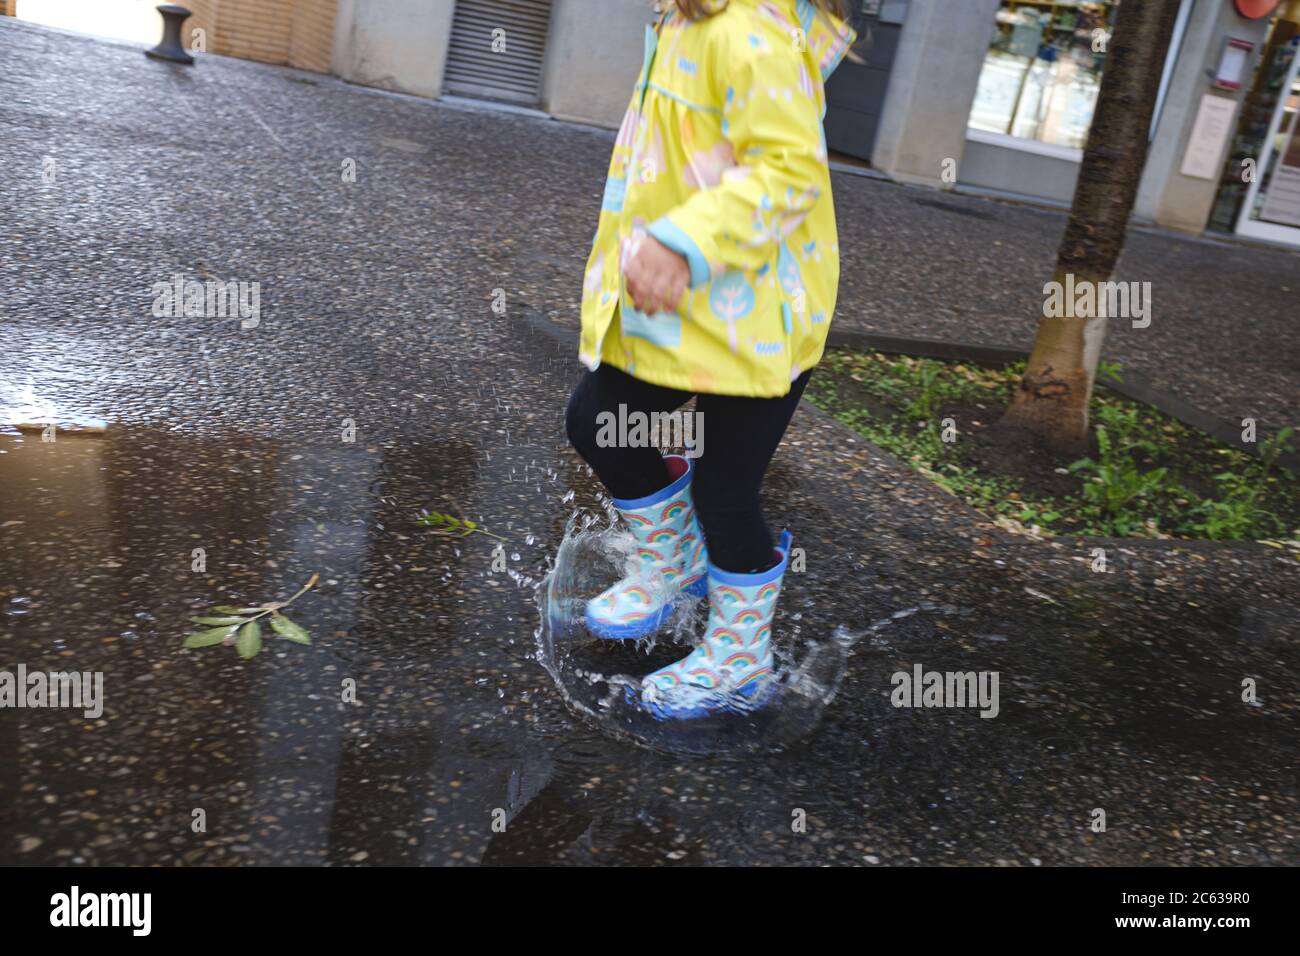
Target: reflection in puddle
(22, 410)
(457, 728)
(601, 680)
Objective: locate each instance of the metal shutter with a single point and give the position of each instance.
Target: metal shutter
(473, 69)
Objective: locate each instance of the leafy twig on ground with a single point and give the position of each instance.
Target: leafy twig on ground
(451, 526)
(242, 626)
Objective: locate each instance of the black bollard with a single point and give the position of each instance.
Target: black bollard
(170, 48)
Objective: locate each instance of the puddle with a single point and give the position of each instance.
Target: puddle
(22, 411)
(601, 680)
(481, 696)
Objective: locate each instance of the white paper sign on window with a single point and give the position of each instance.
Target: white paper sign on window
(1204, 156)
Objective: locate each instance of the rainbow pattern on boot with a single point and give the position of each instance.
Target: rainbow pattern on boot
(735, 658)
(671, 560)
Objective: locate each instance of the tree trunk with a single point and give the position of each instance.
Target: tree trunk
(1052, 400)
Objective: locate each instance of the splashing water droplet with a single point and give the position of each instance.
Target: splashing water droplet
(589, 674)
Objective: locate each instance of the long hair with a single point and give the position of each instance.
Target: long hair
(702, 9)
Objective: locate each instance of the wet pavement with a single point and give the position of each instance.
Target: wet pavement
(1120, 691)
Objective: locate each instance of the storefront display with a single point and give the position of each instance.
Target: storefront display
(1257, 118)
(1277, 200)
(1043, 70)
(1282, 199)
(1259, 194)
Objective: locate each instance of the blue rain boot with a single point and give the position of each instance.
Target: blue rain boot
(673, 560)
(732, 666)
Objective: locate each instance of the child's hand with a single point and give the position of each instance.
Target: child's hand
(656, 277)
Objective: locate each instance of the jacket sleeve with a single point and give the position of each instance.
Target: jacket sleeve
(773, 123)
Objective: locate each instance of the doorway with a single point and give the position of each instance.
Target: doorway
(1271, 210)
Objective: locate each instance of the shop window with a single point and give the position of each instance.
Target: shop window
(1043, 70)
(1276, 89)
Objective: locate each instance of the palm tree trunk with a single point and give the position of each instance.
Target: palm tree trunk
(1052, 399)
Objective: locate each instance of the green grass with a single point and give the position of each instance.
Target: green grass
(1149, 476)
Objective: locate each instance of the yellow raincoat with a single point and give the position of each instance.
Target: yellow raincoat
(722, 158)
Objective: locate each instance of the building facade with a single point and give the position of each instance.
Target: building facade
(296, 33)
(982, 95)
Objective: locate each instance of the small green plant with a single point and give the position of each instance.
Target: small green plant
(922, 407)
(1116, 480)
(1109, 372)
(1036, 514)
(1237, 514)
(1153, 476)
(452, 527)
(241, 626)
(1233, 515)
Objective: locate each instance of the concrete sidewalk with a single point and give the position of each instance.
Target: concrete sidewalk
(1120, 691)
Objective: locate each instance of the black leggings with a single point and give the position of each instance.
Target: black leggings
(740, 434)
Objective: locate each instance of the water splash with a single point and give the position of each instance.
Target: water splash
(601, 680)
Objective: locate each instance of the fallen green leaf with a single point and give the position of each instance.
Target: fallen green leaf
(208, 638)
(249, 641)
(289, 630)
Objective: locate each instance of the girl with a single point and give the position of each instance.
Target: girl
(713, 274)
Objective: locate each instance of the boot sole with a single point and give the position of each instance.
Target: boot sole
(757, 696)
